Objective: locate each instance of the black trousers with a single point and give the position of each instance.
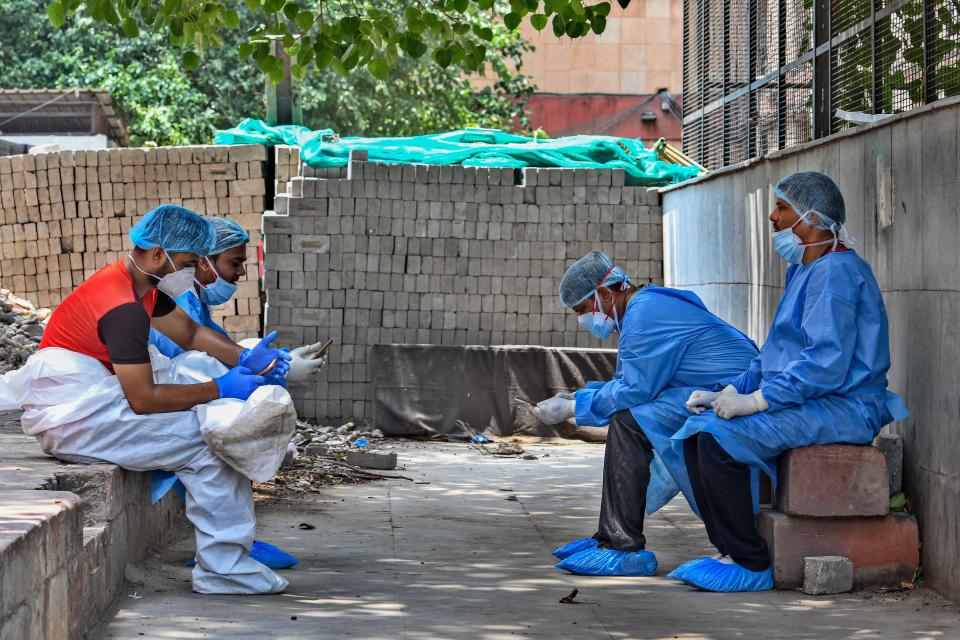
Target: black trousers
(721, 487)
(626, 474)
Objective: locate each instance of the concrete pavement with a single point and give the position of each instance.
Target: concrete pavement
(468, 556)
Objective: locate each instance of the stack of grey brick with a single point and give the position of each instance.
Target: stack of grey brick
(443, 255)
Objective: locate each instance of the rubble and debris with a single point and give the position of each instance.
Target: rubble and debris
(21, 326)
(570, 597)
(327, 455)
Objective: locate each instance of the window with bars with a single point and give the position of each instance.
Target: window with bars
(762, 75)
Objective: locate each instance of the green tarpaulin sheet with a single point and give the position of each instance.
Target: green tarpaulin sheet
(470, 148)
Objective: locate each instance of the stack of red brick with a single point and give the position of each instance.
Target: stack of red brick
(834, 500)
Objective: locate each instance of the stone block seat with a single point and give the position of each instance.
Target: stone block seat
(833, 500)
(66, 534)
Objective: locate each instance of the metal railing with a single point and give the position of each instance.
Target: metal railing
(762, 75)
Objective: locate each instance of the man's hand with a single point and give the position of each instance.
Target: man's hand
(302, 364)
(732, 405)
(699, 401)
(261, 356)
(557, 409)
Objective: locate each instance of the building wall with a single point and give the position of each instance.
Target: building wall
(900, 183)
(640, 51)
(64, 215)
(411, 254)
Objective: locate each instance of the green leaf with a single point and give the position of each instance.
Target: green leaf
(298, 72)
(598, 24)
(443, 57)
(602, 9)
(539, 21)
(170, 7)
(245, 49)
(272, 6)
(323, 54)
(57, 14)
(290, 10)
(379, 68)
(461, 5)
(559, 27)
(304, 20)
(253, 5)
(130, 27)
(898, 501)
(512, 20)
(232, 19)
(350, 25)
(190, 60)
(486, 5)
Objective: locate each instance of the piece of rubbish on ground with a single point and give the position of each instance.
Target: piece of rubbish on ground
(479, 438)
(306, 526)
(502, 449)
(570, 597)
(512, 498)
(372, 460)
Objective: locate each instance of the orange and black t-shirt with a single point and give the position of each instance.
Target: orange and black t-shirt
(104, 319)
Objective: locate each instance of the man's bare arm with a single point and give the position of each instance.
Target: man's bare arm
(145, 396)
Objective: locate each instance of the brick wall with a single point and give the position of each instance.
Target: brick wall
(439, 255)
(66, 214)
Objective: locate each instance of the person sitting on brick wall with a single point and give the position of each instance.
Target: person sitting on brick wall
(94, 392)
(668, 344)
(820, 378)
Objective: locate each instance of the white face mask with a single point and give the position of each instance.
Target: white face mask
(173, 284)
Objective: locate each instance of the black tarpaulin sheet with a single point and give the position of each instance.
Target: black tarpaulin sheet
(426, 389)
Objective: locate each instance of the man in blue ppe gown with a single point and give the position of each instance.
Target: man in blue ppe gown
(820, 378)
(216, 282)
(668, 343)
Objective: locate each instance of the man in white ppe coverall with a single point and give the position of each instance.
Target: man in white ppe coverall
(94, 392)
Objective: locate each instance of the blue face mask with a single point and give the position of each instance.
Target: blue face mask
(791, 247)
(597, 322)
(217, 292)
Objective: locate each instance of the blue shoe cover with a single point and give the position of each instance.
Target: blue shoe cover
(272, 556)
(265, 553)
(610, 562)
(680, 572)
(576, 546)
(728, 578)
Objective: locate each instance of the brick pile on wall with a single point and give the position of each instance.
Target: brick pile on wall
(66, 214)
(399, 254)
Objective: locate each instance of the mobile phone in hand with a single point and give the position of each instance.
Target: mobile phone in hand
(269, 367)
(323, 350)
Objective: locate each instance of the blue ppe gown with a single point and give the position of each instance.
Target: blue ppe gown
(822, 370)
(669, 345)
(162, 481)
(196, 309)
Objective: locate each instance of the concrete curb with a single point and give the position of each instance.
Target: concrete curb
(65, 543)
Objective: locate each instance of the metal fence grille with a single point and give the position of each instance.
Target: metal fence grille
(762, 75)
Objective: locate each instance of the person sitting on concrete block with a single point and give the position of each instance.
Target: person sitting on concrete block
(95, 391)
(668, 344)
(820, 378)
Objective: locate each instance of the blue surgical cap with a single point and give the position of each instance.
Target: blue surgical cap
(229, 235)
(586, 275)
(813, 191)
(175, 229)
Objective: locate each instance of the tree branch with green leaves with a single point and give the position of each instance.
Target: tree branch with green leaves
(339, 34)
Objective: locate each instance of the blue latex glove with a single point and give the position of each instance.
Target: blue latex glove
(260, 357)
(238, 383)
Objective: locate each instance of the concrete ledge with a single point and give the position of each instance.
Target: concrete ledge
(66, 534)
